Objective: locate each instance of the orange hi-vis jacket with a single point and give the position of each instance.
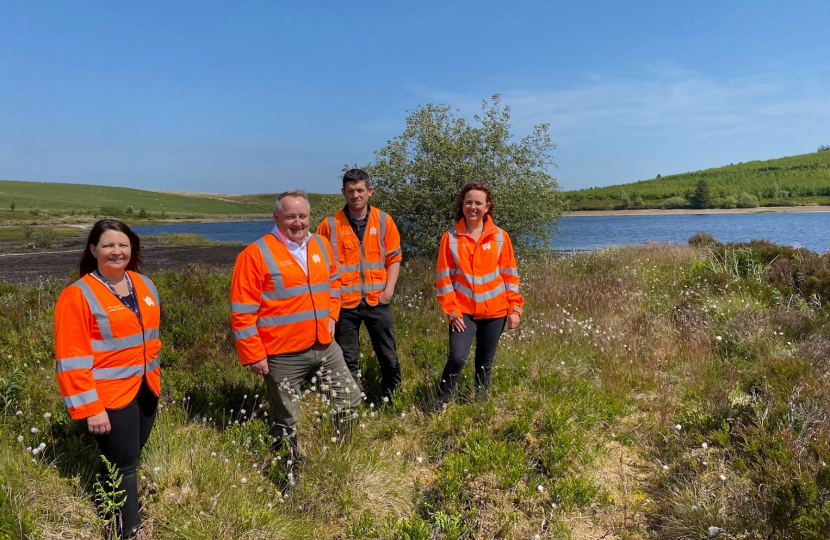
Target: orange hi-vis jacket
(102, 349)
(362, 267)
(275, 307)
(477, 278)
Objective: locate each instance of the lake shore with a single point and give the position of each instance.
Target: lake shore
(690, 211)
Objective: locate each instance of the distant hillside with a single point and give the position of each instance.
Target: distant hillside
(49, 199)
(789, 181)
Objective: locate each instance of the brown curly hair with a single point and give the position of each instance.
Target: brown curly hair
(459, 203)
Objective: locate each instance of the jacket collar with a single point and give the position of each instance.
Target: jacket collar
(489, 227)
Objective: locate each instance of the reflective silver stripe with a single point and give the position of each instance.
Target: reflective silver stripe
(97, 309)
(512, 288)
(239, 307)
(151, 333)
(333, 236)
(120, 343)
(490, 294)
(517, 308)
(444, 290)
(104, 374)
(323, 250)
(270, 263)
(499, 242)
(393, 252)
(335, 277)
(483, 280)
(376, 286)
(334, 293)
(481, 297)
(78, 362)
(291, 292)
(454, 249)
(149, 284)
(245, 333)
(300, 316)
(352, 288)
(349, 268)
(374, 265)
(83, 398)
(442, 274)
(507, 271)
(459, 288)
(153, 364)
(453, 315)
(382, 236)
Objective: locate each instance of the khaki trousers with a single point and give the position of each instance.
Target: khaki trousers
(324, 365)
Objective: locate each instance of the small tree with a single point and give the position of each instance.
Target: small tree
(625, 201)
(675, 202)
(703, 195)
(824, 148)
(142, 214)
(418, 174)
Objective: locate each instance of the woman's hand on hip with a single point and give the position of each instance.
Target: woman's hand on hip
(458, 324)
(99, 424)
(513, 320)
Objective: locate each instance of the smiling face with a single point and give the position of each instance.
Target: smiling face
(357, 196)
(475, 206)
(112, 252)
(293, 218)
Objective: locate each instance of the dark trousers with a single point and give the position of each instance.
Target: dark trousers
(130, 429)
(381, 328)
(487, 333)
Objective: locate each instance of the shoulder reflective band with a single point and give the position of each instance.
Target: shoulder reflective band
(333, 236)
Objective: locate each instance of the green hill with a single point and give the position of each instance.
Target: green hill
(57, 200)
(788, 181)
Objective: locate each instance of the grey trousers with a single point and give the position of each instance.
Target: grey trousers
(324, 367)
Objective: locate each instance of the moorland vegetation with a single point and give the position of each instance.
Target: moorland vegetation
(654, 391)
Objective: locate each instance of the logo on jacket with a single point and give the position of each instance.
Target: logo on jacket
(315, 258)
(486, 246)
(373, 231)
(149, 301)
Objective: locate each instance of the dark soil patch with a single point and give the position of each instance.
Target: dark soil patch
(23, 266)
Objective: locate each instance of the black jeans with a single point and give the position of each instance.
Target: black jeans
(130, 429)
(381, 328)
(487, 333)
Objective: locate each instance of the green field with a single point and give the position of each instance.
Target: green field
(55, 200)
(789, 181)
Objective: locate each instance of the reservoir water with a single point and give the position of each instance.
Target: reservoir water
(808, 229)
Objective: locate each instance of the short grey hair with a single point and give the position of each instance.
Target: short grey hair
(298, 193)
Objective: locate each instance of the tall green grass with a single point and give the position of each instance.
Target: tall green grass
(651, 392)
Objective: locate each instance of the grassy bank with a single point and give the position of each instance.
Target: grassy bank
(802, 180)
(652, 392)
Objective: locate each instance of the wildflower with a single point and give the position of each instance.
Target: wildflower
(19, 413)
(47, 415)
(244, 480)
(719, 338)
(419, 459)
(665, 467)
(694, 508)
(714, 531)
(398, 453)
(213, 454)
(42, 445)
(704, 446)
(403, 415)
(242, 411)
(678, 427)
(35, 451)
(20, 438)
(334, 439)
(385, 399)
(156, 469)
(34, 430)
(540, 488)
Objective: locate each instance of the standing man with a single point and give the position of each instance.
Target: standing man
(367, 247)
(285, 300)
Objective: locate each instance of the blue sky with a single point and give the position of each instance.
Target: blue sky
(250, 97)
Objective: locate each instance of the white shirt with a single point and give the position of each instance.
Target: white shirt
(299, 251)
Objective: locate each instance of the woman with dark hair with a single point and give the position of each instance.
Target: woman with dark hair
(106, 351)
(477, 286)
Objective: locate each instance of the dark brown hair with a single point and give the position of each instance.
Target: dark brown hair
(88, 261)
(459, 203)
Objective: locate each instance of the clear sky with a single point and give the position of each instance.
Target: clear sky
(263, 96)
